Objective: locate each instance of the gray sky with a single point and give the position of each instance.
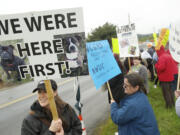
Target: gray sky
(148, 15)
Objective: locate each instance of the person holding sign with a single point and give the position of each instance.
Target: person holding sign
(39, 121)
(165, 75)
(134, 114)
(175, 70)
(116, 83)
(141, 70)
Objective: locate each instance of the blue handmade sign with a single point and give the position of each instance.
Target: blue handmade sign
(101, 62)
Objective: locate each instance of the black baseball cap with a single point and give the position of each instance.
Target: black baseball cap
(41, 86)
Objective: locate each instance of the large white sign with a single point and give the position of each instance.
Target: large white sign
(53, 41)
(128, 42)
(174, 41)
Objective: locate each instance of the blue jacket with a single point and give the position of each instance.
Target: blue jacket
(134, 116)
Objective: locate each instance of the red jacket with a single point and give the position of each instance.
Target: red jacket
(164, 66)
(175, 66)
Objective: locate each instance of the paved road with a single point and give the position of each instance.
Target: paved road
(15, 103)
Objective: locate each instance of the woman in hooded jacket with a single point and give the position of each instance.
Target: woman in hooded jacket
(39, 121)
(134, 114)
(165, 75)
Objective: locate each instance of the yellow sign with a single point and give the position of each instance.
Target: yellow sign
(166, 38)
(163, 38)
(115, 45)
(155, 38)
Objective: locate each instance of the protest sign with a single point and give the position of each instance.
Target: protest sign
(155, 38)
(163, 38)
(128, 42)
(115, 45)
(48, 44)
(166, 38)
(174, 41)
(101, 62)
(174, 45)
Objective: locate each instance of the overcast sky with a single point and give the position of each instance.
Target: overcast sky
(148, 15)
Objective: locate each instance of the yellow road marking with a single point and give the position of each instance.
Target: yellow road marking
(28, 96)
(66, 81)
(17, 100)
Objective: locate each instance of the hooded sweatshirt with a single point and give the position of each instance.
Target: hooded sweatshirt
(175, 66)
(164, 66)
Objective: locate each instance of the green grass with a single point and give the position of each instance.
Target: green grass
(168, 121)
(106, 128)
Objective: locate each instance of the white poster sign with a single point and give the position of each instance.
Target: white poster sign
(174, 41)
(128, 42)
(50, 44)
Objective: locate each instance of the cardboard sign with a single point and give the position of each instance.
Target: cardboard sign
(128, 42)
(49, 44)
(174, 41)
(101, 62)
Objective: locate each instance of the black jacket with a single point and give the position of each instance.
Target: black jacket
(116, 85)
(34, 123)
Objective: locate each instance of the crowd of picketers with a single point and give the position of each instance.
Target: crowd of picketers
(130, 108)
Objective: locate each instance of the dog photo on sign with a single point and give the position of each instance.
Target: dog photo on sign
(132, 50)
(9, 61)
(74, 53)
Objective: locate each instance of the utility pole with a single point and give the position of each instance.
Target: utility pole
(129, 19)
(129, 62)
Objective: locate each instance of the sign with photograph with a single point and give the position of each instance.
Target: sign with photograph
(43, 45)
(128, 42)
(174, 41)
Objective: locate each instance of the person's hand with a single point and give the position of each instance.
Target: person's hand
(177, 93)
(112, 101)
(56, 125)
(61, 132)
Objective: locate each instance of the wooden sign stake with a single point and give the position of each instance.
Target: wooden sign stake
(52, 104)
(109, 89)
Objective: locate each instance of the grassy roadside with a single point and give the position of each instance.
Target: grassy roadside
(168, 121)
(13, 82)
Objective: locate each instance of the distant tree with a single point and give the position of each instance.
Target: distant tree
(108, 31)
(145, 37)
(105, 32)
